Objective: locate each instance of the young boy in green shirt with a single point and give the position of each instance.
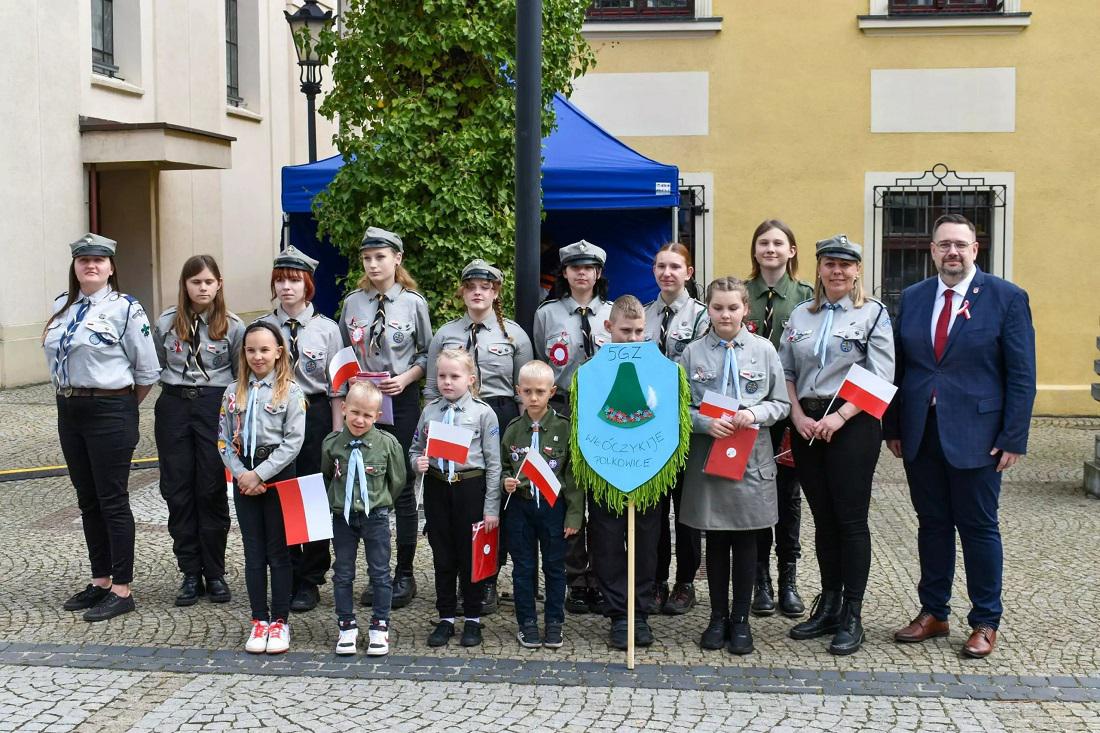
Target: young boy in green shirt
(364, 470)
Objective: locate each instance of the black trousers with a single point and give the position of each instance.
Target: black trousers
(836, 477)
(98, 436)
(731, 558)
(578, 566)
(406, 413)
(451, 510)
(263, 535)
(192, 480)
(789, 497)
(689, 542)
(310, 562)
(607, 534)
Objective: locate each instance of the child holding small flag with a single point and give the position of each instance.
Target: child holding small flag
(542, 510)
(260, 431)
(364, 470)
(457, 449)
(737, 385)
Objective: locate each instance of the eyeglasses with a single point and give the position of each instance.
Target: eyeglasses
(947, 245)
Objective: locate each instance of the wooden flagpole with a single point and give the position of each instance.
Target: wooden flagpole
(630, 582)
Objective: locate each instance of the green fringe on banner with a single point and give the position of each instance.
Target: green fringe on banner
(649, 494)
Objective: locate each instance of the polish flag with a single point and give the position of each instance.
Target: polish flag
(229, 482)
(342, 367)
(449, 442)
(538, 471)
(717, 405)
(306, 512)
(867, 391)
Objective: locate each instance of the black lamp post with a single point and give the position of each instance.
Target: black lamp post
(306, 25)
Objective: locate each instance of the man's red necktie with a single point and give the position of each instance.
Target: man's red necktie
(941, 325)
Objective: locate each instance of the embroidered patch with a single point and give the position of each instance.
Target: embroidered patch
(220, 360)
(752, 387)
(310, 366)
(846, 346)
(559, 354)
(553, 464)
(752, 326)
(145, 330)
(494, 431)
(356, 335)
(515, 456)
(212, 348)
(398, 337)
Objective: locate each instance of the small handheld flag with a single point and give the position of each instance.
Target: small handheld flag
(306, 513)
(229, 483)
(867, 391)
(718, 405)
(541, 476)
(449, 442)
(342, 367)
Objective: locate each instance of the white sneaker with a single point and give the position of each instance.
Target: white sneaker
(347, 641)
(379, 644)
(257, 640)
(278, 637)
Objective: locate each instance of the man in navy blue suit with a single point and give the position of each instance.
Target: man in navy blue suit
(965, 350)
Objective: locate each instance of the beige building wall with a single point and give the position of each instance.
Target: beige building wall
(794, 91)
(171, 55)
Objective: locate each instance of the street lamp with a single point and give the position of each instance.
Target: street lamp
(306, 25)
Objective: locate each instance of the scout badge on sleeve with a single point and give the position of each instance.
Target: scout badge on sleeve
(559, 352)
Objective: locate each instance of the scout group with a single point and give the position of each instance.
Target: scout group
(257, 400)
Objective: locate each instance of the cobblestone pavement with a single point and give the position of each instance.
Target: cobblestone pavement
(1046, 653)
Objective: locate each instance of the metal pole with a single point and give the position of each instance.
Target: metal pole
(311, 125)
(528, 157)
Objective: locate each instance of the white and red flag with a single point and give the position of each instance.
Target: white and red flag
(229, 483)
(342, 367)
(541, 476)
(867, 391)
(449, 442)
(306, 513)
(717, 405)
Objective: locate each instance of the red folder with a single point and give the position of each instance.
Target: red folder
(484, 549)
(786, 457)
(728, 457)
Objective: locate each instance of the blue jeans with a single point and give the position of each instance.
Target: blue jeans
(374, 530)
(529, 529)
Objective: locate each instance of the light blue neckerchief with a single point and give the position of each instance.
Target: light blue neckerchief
(448, 466)
(356, 470)
(248, 437)
(823, 336)
(730, 369)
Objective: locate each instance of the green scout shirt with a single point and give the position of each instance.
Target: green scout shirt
(383, 462)
(789, 293)
(554, 442)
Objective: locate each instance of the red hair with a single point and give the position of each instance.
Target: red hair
(291, 273)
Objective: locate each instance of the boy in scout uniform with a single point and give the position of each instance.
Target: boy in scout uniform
(532, 523)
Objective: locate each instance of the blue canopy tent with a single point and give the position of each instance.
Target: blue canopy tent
(593, 187)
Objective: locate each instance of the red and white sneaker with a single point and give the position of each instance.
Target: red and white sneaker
(278, 637)
(257, 639)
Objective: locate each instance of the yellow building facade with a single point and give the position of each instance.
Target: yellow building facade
(871, 117)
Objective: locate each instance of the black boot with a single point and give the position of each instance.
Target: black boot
(740, 636)
(489, 599)
(190, 590)
(763, 601)
(716, 633)
(404, 586)
(824, 617)
(790, 604)
(849, 637)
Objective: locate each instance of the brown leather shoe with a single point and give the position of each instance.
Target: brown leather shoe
(924, 626)
(981, 642)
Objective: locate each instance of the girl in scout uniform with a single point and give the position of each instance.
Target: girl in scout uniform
(456, 496)
(103, 363)
(674, 320)
(312, 340)
(499, 347)
(386, 322)
(198, 342)
(260, 431)
(838, 327)
(568, 330)
(773, 294)
(732, 361)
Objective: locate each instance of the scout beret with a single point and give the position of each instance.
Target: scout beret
(840, 248)
(93, 245)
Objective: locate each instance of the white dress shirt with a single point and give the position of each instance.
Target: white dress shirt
(957, 300)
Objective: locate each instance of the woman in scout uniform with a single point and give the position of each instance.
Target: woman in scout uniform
(198, 342)
(773, 294)
(825, 336)
(733, 362)
(103, 363)
(674, 320)
(387, 324)
(568, 331)
(312, 339)
(499, 347)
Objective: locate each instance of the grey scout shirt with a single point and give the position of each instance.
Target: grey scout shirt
(499, 354)
(475, 415)
(383, 468)
(689, 321)
(111, 348)
(319, 339)
(219, 358)
(406, 333)
(557, 336)
(857, 336)
(763, 388)
(282, 425)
